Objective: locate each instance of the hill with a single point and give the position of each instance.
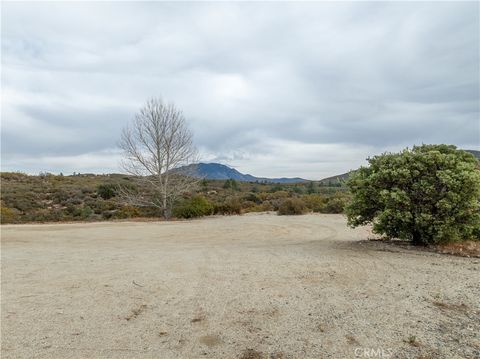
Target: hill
(342, 178)
(90, 197)
(336, 179)
(217, 171)
(475, 153)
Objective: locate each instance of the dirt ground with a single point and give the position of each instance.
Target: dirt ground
(252, 286)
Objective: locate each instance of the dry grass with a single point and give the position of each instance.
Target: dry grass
(464, 249)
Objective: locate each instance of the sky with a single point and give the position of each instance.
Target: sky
(272, 89)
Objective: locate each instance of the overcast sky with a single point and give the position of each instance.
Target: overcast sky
(272, 89)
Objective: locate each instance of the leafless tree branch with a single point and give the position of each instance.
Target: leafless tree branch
(156, 143)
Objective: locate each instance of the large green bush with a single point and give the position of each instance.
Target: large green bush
(429, 194)
(194, 207)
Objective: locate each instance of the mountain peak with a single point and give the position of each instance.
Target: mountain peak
(218, 171)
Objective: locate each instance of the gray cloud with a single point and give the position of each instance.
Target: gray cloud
(274, 89)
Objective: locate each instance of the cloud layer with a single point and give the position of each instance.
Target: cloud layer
(274, 89)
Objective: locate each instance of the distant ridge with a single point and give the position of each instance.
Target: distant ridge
(217, 171)
(334, 179)
(475, 153)
(345, 176)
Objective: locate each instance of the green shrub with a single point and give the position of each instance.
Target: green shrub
(60, 196)
(263, 207)
(315, 202)
(122, 213)
(8, 215)
(292, 206)
(427, 195)
(246, 205)
(277, 188)
(194, 207)
(24, 202)
(231, 184)
(252, 197)
(107, 214)
(75, 201)
(311, 188)
(86, 190)
(107, 190)
(335, 203)
(230, 206)
(45, 215)
(278, 195)
(86, 212)
(73, 210)
(298, 189)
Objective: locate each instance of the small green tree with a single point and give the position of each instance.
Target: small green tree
(231, 184)
(429, 194)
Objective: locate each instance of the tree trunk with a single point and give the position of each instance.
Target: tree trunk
(166, 211)
(416, 238)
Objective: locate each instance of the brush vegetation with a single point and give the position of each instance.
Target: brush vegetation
(89, 197)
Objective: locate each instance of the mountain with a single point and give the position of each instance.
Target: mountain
(475, 153)
(217, 171)
(335, 179)
(344, 176)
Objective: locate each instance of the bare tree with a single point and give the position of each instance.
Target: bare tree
(156, 143)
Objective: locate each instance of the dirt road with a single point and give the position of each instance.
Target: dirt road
(252, 286)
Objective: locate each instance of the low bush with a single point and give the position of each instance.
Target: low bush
(24, 202)
(60, 196)
(194, 207)
(45, 215)
(124, 212)
(107, 190)
(315, 202)
(230, 184)
(264, 207)
(335, 205)
(252, 197)
(229, 206)
(278, 195)
(292, 206)
(8, 215)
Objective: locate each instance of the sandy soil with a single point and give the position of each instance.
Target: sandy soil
(252, 286)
